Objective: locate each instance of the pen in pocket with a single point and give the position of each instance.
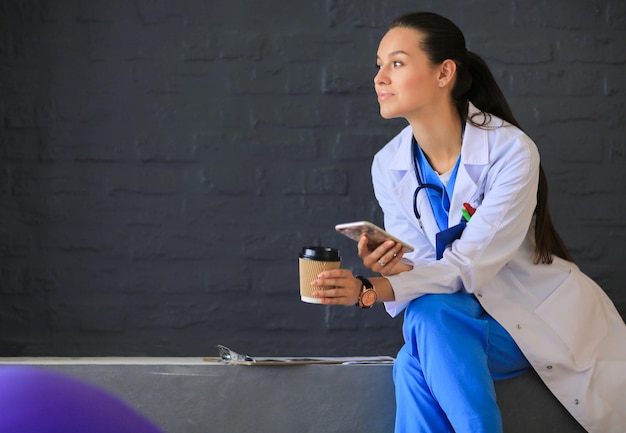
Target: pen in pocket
(467, 211)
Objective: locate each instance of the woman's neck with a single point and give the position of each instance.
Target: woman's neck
(440, 136)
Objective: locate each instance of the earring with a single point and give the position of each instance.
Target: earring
(441, 84)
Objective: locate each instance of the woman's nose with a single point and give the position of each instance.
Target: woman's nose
(381, 77)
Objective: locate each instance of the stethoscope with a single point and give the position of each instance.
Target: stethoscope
(420, 184)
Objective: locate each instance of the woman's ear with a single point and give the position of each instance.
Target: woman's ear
(447, 71)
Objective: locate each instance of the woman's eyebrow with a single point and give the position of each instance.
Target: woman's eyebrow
(395, 53)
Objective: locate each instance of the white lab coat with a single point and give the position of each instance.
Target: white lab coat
(564, 323)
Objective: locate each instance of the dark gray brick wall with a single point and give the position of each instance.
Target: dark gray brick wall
(162, 162)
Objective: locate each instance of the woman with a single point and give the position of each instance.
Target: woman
(490, 289)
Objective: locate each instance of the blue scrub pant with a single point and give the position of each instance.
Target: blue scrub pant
(444, 373)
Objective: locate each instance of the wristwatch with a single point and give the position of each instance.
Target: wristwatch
(368, 293)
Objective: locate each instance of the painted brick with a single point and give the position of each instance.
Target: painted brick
(358, 146)
(222, 45)
(289, 112)
(89, 314)
(20, 319)
(20, 147)
(562, 83)
(5, 181)
(142, 180)
(560, 14)
(162, 163)
(616, 14)
(613, 84)
(146, 245)
(342, 13)
(592, 48)
(617, 149)
(166, 148)
(530, 51)
(18, 80)
(316, 181)
(360, 112)
(346, 79)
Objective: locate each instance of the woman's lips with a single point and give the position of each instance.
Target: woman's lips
(384, 95)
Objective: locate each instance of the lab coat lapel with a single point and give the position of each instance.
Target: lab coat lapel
(402, 165)
(474, 161)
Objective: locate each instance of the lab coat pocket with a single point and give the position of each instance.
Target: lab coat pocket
(574, 312)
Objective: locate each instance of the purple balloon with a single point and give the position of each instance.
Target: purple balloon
(36, 400)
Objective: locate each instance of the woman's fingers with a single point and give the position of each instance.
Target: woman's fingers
(391, 257)
(337, 286)
(385, 255)
(334, 297)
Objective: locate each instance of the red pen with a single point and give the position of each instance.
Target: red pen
(470, 210)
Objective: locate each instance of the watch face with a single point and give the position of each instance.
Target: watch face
(368, 298)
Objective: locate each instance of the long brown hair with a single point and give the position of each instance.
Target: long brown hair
(442, 40)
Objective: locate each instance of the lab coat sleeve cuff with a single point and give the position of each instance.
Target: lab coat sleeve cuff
(394, 308)
(412, 284)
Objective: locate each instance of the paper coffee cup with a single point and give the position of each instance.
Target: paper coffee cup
(314, 260)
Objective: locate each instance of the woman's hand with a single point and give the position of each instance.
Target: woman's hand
(345, 290)
(384, 259)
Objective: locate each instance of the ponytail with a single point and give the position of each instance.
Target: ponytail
(474, 82)
(547, 239)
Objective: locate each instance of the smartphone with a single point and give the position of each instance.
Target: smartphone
(375, 234)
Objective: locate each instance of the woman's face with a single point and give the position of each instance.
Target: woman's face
(407, 83)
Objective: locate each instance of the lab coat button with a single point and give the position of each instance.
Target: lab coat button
(519, 326)
(576, 401)
(480, 295)
(549, 367)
